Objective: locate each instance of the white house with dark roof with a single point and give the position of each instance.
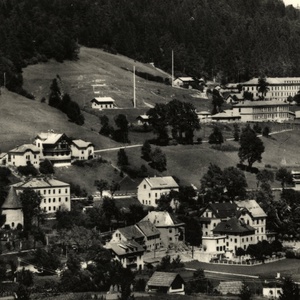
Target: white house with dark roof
(55, 194)
(22, 155)
(54, 147)
(171, 229)
(184, 82)
(82, 150)
(103, 103)
(152, 188)
(130, 254)
(12, 210)
(143, 119)
(166, 282)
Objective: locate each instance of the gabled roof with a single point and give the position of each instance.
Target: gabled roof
(40, 183)
(233, 225)
(131, 232)
(81, 144)
(49, 137)
(222, 210)
(125, 248)
(253, 207)
(103, 100)
(143, 117)
(12, 201)
(186, 79)
(147, 228)
(24, 148)
(162, 219)
(163, 279)
(166, 182)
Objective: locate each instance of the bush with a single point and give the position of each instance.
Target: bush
(224, 148)
(27, 170)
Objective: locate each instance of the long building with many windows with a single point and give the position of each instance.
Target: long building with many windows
(279, 88)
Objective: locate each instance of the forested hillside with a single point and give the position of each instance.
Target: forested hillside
(234, 39)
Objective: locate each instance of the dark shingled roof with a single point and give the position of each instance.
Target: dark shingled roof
(148, 228)
(223, 210)
(164, 279)
(12, 201)
(131, 232)
(233, 225)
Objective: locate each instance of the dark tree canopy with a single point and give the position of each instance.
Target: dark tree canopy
(216, 137)
(251, 146)
(46, 167)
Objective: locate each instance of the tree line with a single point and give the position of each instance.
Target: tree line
(232, 40)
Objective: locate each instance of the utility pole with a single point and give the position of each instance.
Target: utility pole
(134, 96)
(4, 79)
(172, 67)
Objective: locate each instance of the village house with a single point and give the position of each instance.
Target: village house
(279, 88)
(55, 194)
(204, 116)
(226, 116)
(23, 155)
(233, 225)
(152, 188)
(103, 103)
(296, 179)
(130, 254)
(172, 231)
(166, 282)
(82, 150)
(184, 82)
(272, 290)
(144, 233)
(143, 120)
(12, 210)
(54, 147)
(272, 110)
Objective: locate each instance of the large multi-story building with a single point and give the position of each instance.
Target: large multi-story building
(55, 194)
(279, 88)
(262, 111)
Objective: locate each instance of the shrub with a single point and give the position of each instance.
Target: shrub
(224, 148)
(27, 170)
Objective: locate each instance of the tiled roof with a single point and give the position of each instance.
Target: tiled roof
(164, 279)
(162, 219)
(233, 225)
(24, 148)
(124, 248)
(81, 144)
(166, 182)
(131, 232)
(148, 228)
(40, 183)
(12, 201)
(248, 103)
(223, 210)
(50, 137)
(253, 207)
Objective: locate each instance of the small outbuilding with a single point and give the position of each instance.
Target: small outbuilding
(166, 282)
(103, 103)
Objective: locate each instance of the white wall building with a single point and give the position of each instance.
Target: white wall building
(103, 103)
(22, 155)
(82, 150)
(55, 194)
(152, 188)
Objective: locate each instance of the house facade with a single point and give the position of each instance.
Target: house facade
(152, 188)
(172, 231)
(184, 82)
(143, 120)
(166, 282)
(130, 254)
(22, 155)
(279, 88)
(233, 225)
(296, 179)
(262, 111)
(55, 194)
(103, 103)
(82, 150)
(54, 147)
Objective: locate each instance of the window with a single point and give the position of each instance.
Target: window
(149, 195)
(66, 190)
(44, 200)
(49, 208)
(54, 191)
(170, 239)
(49, 191)
(54, 208)
(59, 190)
(54, 200)
(82, 152)
(66, 199)
(144, 186)
(235, 240)
(49, 200)
(170, 230)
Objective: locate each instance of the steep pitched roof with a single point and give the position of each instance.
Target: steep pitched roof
(253, 207)
(147, 228)
(49, 137)
(81, 144)
(24, 148)
(166, 182)
(162, 219)
(223, 210)
(233, 225)
(163, 279)
(12, 201)
(131, 232)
